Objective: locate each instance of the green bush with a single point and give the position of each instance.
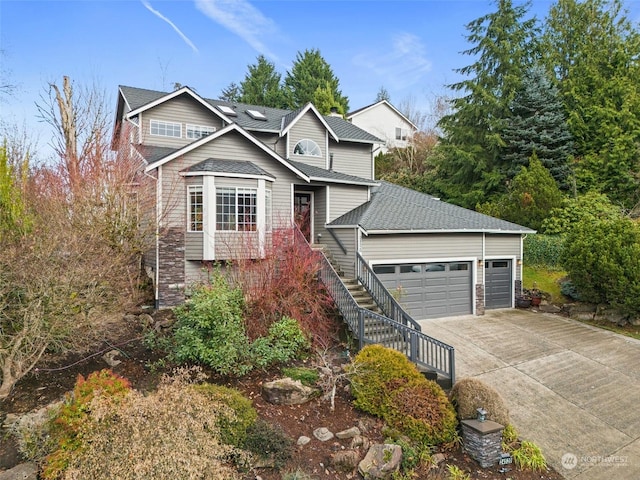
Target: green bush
(210, 329)
(422, 412)
(269, 442)
(372, 370)
(469, 394)
(386, 384)
(284, 342)
(233, 427)
(602, 259)
(529, 457)
(543, 250)
(66, 427)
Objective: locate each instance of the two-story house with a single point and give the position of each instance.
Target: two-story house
(226, 174)
(386, 122)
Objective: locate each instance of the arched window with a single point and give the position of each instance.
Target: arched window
(307, 147)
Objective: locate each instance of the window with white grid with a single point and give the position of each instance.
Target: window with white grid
(198, 131)
(236, 209)
(166, 129)
(195, 206)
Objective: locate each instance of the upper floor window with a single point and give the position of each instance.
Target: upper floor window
(195, 208)
(307, 147)
(199, 131)
(401, 133)
(236, 209)
(166, 129)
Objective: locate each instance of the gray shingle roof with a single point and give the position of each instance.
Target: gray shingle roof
(317, 173)
(139, 97)
(395, 208)
(152, 154)
(228, 166)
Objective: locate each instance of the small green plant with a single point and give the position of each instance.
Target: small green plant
(509, 438)
(307, 376)
(297, 475)
(455, 473)
(269, 442)
(233, 426)
(284, 342)
(414, 454)
(528, 456)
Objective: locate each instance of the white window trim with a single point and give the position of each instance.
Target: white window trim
(307, 154)
(152, 121)
(198, 128)
(251, 190)
(190, 189)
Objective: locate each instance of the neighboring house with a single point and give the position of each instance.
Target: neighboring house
(225, 174)
(386, 122)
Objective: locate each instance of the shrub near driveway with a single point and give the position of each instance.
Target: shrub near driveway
(386, 384)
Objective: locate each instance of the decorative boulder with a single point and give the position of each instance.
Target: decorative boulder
(286, 391)
(381, 461)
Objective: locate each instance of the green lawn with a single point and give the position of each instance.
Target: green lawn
(546, 280)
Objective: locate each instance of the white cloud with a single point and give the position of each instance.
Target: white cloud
(403, 66)
(241, 18)
(162, 17)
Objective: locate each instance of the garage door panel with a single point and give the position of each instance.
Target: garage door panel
(498, 284)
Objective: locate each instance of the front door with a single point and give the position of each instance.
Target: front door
(302, 210)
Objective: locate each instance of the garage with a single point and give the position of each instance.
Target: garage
(498, 281)
(430, 290)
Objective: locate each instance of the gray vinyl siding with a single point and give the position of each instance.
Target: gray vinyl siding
(309, 127)
(352, 158)
(183, 110)
(507, 246)
(274, 142)
(320, 213)
(425, 246)
(344, 198)
(348, 238)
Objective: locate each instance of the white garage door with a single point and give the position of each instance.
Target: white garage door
(429, 290)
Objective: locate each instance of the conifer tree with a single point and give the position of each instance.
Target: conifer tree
(262, 86)
(503, 44)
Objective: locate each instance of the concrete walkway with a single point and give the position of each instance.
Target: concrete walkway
(572, 389)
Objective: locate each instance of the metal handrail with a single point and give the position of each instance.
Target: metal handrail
(372, 328)
(381, 295)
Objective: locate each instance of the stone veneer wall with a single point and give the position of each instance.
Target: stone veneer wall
(171, 281)
(479, 299)
(483, 441)
(518, 287)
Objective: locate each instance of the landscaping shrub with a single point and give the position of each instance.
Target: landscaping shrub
(602, 259)
(372, 370)
(422, 412)
(66, 428)
(170, 433)
(543, 250)
(469, 394)
(233, 425)
(210, 329)
(269, 442)
(284, 342)
(385, 383)
(529, 457)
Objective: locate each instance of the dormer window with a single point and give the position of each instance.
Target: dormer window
(166, 129)
(307, 147)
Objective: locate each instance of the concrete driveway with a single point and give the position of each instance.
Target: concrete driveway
(572, 389)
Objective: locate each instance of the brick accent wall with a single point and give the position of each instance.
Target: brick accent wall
(171, 281)
(479, 299)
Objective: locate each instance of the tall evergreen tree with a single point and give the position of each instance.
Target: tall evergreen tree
(309, 72)
(538, 125)
(593, 49)
(231, 93)
(261, 85)
(472, 135)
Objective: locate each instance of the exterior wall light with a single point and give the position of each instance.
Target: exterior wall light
(482, 414)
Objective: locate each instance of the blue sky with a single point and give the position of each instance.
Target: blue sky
(409, 47)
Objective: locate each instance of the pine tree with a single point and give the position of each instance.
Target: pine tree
(231, 93)
(538, 125)
(309, 72)
(261, 85)
(503, 43)
(593, 48)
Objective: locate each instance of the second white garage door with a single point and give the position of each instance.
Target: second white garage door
(430, 290)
